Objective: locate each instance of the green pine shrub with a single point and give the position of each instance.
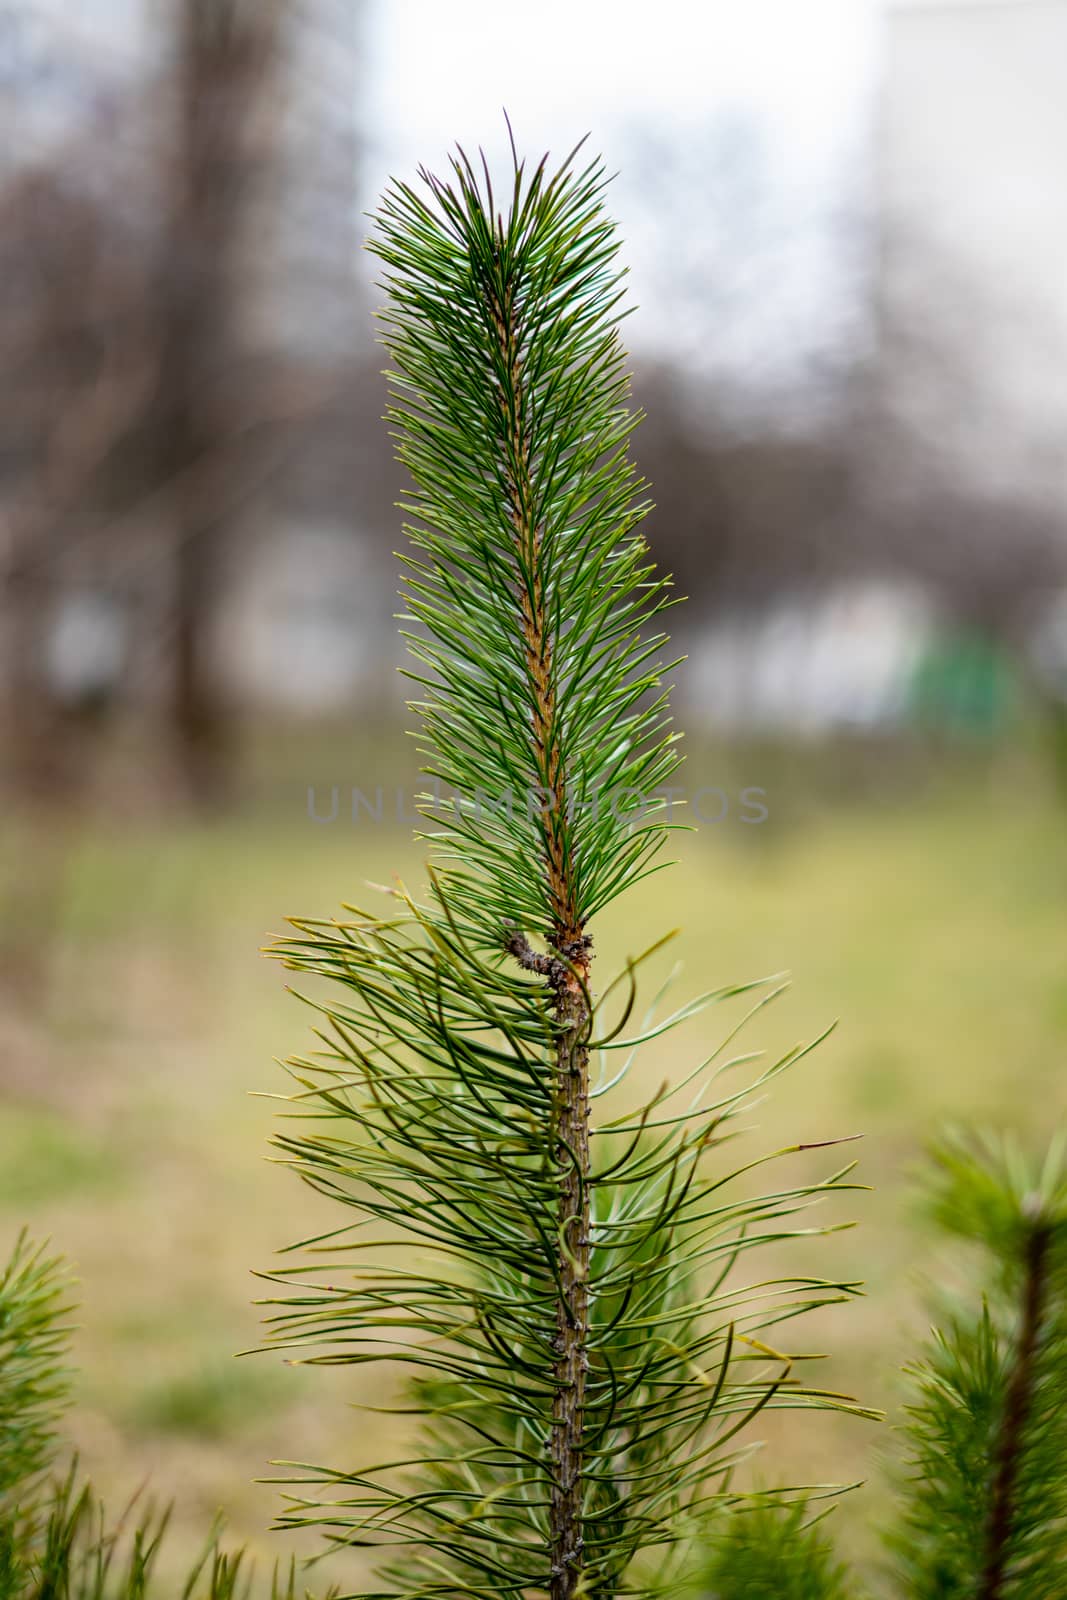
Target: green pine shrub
(56, 1539)
(980, 1504)
(983, 1503)
(34, 1381)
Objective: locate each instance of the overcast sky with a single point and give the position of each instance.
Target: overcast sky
(443, 71)
(742, 130)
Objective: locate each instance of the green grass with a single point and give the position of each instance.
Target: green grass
(47, 1157)
(208, 1401)
(927, 917)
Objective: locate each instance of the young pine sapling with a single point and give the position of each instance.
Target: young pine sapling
(583, 1355)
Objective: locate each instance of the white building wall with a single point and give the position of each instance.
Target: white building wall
(974, 243)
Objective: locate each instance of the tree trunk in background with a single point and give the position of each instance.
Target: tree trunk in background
(227, 54)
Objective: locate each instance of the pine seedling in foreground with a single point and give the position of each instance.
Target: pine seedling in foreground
(983, 1510)
(585, 1350)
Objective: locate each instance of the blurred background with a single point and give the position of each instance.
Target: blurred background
(847, 224)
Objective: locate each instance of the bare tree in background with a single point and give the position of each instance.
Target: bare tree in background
(875, 458)
(225, 71)
(127, 396)
(127, 253)
(960, 489)
(77, 368)
(752, 429)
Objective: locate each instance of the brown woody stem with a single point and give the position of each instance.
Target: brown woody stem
(572, 1314)
(566, 971)
(1017, 1406)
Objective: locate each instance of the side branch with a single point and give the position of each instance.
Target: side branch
(557, 969)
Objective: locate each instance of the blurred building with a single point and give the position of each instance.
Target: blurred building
(845, 659)
(973, 295)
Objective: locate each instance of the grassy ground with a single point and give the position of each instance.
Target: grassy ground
(929, 918)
